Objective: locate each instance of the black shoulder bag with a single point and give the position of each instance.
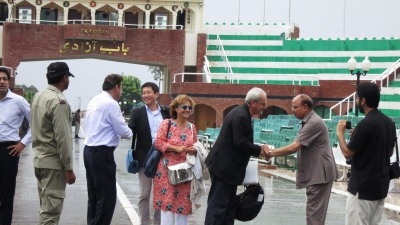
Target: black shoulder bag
(153, 158)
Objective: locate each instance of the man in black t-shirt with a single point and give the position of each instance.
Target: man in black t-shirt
(370, 148)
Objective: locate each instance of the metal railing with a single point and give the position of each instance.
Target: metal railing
(226, 60)
(96, 22)
(207, 77)
(206, 69)
(382, 80)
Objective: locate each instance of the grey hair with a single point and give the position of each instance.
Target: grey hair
(254, 94)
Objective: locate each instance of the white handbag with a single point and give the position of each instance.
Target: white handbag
(251, 176)
(179, 173)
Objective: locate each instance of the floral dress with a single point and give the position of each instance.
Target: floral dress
(168, 197)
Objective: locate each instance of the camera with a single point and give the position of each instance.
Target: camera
(348, 125)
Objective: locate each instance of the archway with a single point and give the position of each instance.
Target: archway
(205, 117)
(227, 110)
(89, 76)
(322, 111)
(273, 110)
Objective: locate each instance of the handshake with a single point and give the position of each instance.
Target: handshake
(266, 152)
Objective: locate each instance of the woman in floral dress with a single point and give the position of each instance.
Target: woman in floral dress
(174, 200)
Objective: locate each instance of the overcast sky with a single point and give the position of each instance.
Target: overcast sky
(316, 19)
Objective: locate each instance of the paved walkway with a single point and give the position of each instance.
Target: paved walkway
(283, 203)
(392, 202)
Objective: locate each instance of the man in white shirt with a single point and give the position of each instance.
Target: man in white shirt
(104, 126)
(14, 109)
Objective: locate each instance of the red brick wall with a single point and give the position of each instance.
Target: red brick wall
(201, 51)
(157, 47)
(154, 47)
(222, 96)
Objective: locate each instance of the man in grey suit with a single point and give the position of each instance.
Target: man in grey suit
(229, 156)
(316, 165)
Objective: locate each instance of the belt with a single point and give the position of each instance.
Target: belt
(101, 147)
(7, 143)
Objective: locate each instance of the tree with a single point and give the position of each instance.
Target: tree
(157, 73)
(29, 92)
(130, 92)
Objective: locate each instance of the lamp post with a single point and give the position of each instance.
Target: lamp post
(365, 66)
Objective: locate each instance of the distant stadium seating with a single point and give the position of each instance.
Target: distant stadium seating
(262, 58)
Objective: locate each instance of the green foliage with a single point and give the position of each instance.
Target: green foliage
(29, 92)
(130, 92)
(157, 72)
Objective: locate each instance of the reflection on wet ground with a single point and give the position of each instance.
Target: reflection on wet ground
(283, 203)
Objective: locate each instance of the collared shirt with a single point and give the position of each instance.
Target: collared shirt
(104, 122)
(51, 130)
(315, 161)
(13, 110)
(155, 118)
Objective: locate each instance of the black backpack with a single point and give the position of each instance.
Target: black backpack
(249, 203)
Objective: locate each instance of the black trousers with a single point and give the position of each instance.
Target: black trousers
(221, 203)
(8, 175)
(101, 184)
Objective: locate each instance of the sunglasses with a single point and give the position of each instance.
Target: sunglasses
(185, 107)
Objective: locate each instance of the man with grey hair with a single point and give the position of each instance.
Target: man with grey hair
(229, 156)
(316, 165)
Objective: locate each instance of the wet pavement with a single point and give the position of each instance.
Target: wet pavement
(283, 203)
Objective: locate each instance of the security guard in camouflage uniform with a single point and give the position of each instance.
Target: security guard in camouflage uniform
(52, 143)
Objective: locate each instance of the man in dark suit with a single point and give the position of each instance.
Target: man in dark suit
(144, 123)
(229, 156)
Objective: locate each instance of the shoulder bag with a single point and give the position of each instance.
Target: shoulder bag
(394, 169)
(132, 165)
(249, 203)
(181, 172)
(153, 158)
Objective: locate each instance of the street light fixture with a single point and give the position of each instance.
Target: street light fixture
(365, 66)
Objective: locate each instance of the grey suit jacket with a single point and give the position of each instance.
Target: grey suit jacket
(315, 161)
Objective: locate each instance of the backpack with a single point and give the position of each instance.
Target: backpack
(249, 203)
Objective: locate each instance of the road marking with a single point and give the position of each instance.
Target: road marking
(133, 216)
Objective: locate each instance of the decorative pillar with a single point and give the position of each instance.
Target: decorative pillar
(38, 8)
(10, 8)
(147, 25)
(93, 16)
(174, 15)
(66, 11)
(120, 14)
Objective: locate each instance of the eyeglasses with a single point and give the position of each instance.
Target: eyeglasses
(185, 107)
(262, 103)
(4, 78)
